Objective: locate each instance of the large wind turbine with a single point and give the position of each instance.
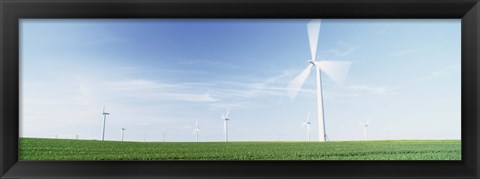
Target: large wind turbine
(336, 70)
(225, 124)
(123, 132)
(307, 125)
(196, 131)
(104, 121)
(365, 125)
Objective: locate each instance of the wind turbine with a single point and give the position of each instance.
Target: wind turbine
(104, 121)
(225, 124)
(365, 125)
(336, 70)
(123, 132)
(307, 125)
(196, 131)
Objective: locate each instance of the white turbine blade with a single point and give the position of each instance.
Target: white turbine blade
(361, 123)
(228, 112)
(336, 70)
(313, 33)
(223, 116)
(370, 120)
(297, 83)
(308, 117)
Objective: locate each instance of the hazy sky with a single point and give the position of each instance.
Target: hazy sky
(159, 76)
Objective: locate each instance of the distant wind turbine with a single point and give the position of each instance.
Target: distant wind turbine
(196, 131)
(307, 125)
(365, 125)
(104, 122)
(123, 133)
(225, 124)
(336, 70)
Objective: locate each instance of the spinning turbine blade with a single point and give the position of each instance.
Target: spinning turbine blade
(336, 70)
(313, 32)
(370, 120)
(361, 123)
(297, 83)
(308, 117)
(226, 115)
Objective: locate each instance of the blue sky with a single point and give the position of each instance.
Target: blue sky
(159, 76)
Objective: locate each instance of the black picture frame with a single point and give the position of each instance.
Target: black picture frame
(13, 10)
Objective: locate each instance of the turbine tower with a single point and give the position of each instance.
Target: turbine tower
(365, 125)
(336, 70)
(307, 125)
(123, 132)
(104, 121)
(196, 131)
(225, 124)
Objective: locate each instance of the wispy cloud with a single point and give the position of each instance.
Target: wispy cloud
(440, 72)
(405, 52)
(138, 84)
(343, 49)
(333, 53)
(211, 63)
(160, 90)
(378, 90)
(192, 97)
(270, 86)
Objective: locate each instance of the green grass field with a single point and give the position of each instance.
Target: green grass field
(63, 149)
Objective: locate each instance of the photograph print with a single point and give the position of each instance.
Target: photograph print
(240, 89)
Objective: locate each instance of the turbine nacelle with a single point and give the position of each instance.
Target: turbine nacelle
(316, 63)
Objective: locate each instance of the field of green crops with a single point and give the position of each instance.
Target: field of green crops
(63, 149)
